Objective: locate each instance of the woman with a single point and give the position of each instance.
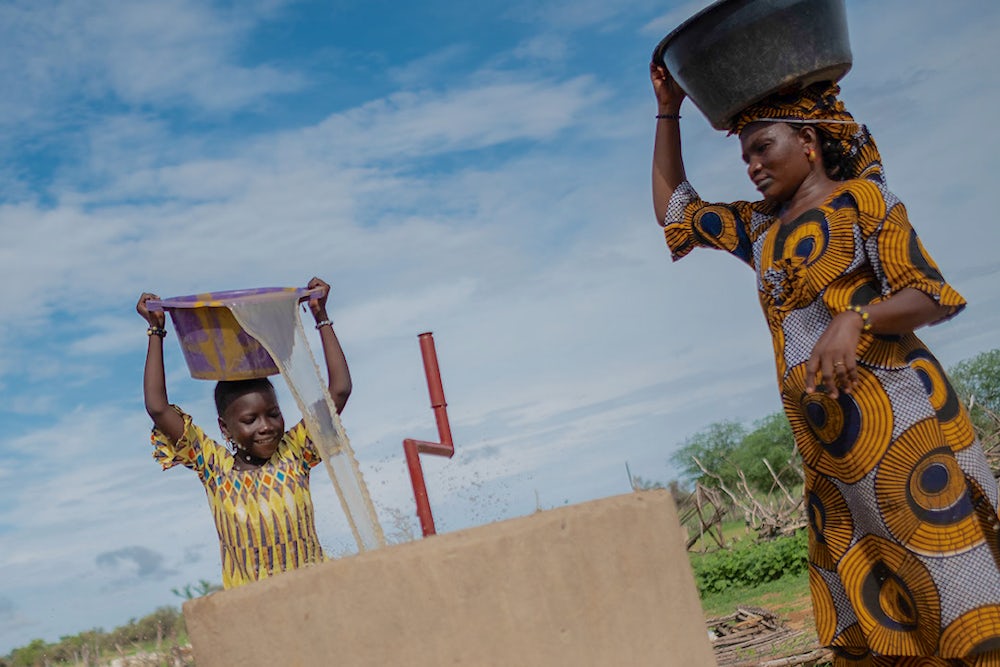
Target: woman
(903, 532)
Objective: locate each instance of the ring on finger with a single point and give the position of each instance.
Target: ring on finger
(839, 363)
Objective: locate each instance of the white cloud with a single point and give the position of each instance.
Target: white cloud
(664, 24)
(579, 14)
(416, 72)
(171, 53)
(549, 48)
(407, 125)
(107, 335)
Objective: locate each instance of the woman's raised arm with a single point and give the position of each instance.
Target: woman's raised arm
(668, 165)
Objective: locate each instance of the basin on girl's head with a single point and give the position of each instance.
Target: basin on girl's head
(215, 346)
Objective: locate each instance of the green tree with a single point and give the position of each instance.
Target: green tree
(32, 655)
(164, 623)
(978, 379)
(714, 448)
(191, 591)
(727, 448)
(771, 439)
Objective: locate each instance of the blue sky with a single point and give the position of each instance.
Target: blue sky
(479, 170)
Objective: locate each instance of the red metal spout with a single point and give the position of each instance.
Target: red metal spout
(413, 448)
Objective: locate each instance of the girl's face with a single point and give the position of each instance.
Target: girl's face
(776, 158)
(255, 423)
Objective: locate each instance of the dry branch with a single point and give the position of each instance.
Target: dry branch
(756, 637)
(777, 481)
(781, 515)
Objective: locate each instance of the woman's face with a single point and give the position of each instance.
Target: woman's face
(776, 158)
(255, 423)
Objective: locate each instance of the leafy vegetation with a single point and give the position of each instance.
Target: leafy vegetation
(787, 596)
(191, 591)
(977, 381)
(726, 449)
(750, 564)
(164, 628)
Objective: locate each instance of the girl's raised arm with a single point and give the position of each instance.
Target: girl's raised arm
(338, 374)
(154, 383)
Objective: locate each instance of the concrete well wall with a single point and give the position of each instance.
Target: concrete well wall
(605, 583)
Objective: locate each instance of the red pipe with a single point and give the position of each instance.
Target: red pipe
(413, 448)
(436, 391)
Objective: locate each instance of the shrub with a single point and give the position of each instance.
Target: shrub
(751, 564)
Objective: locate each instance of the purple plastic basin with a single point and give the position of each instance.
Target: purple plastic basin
(215, 346)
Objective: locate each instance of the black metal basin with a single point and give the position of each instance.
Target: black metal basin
(736, 52)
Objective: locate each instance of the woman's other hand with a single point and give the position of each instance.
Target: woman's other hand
(156, 318)
(669, 95)
(834, 357)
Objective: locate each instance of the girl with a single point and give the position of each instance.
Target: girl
(258, 486)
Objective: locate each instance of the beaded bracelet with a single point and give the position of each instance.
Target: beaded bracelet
(156, 331)
(668, 116)
(322, 324)
(866, 324)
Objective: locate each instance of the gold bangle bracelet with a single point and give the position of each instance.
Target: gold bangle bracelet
(866, 324)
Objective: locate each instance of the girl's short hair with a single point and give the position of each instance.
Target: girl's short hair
(227, 391)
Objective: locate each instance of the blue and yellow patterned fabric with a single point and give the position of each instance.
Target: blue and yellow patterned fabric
(264, 517)
(904, 548)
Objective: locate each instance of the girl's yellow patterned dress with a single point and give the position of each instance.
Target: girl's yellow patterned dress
(902, 505)
(264, 516)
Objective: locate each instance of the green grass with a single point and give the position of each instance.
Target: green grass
(732, 531)
(786, 597)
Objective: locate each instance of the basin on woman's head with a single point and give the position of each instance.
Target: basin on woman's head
(734, 53)
(215, 346)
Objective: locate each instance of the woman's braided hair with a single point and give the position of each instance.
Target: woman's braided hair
(834, 160)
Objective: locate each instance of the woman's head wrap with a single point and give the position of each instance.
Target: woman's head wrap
(818, 105)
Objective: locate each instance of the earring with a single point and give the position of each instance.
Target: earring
(235, 450)
(811, 154)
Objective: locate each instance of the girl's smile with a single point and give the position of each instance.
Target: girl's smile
(254, 423)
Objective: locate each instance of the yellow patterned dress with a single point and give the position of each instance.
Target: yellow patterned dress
(264, 516)
(902, 505)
